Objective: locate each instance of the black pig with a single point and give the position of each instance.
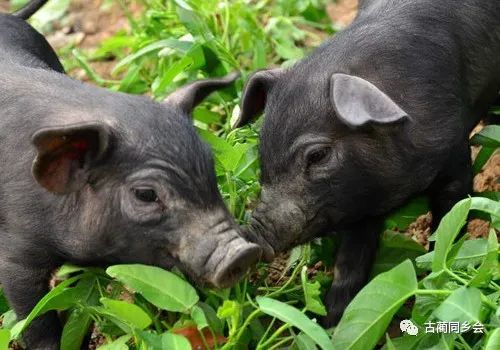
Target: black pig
(98, 177)
(377, 114)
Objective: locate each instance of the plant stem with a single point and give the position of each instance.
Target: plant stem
(433, 292)
(242, 329)
(274, 336)
(282, 342)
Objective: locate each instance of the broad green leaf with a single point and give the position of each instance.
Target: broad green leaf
(446, 232)
(59, 298)
(463, 305)
(488, 137)
(393, 249)
(405, 342)
(490, 262)
(162, 288)
(482, 158)
(198, 316)
(304, 342)
(296, 318)
(67, 269)
(425, 306)
(370, 312)
(118, 344)
(75, 330)
(9, 319)
(493, 340)
(402, 217)
(174, 342)
(472, 252)
(214, 322)
(127, 312)
(228, 155)
(312, 294)
(4, 339)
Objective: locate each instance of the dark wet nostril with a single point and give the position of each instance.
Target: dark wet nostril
(236, 266)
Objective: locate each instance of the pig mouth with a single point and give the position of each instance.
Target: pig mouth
(273, 240)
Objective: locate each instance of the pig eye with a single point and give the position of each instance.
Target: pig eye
(317, 155)
(146, 195)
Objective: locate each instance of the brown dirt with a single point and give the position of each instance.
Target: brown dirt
(342, 12)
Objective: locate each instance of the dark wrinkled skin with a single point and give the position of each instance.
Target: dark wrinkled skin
(73, 157)
(438, 62)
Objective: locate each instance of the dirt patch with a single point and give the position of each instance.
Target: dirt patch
(342, 12)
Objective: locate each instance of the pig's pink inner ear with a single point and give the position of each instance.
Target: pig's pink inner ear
(66, 154)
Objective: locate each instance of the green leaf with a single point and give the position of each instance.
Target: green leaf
(463, 305)
(118, 344)
(181, 46)
(446, 232)
(488, 206)
(425, 306)
(67, 269)
(393, 249)
(402, 217)
(213, 321)
(368, 315)
(304, 342)
(198, 316)
(162, 288)
(75, 330)
(174, 342)
(472, 253)
(312, 294)
(488, 137)
(59, 298)
(493, 341)
(4, 339)
(4, 305)
(230, 309)
(482, 158)
(405, 342)
(127, 312)
(490, 262)
(296, 318)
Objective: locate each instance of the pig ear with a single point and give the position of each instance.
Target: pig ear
(358, 102)
(255, 93)
(65, 155)
(189, 96)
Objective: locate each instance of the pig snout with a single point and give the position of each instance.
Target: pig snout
(276, 227)
(235, 260)
(219, 255)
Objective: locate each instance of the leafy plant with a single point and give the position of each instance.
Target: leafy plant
(173, 42)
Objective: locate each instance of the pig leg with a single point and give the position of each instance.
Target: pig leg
(353, 265)
(24, 286)
(451, 185)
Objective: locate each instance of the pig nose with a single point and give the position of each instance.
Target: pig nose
(236, 264)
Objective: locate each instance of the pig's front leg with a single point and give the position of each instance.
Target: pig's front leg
(451, 185)
(353, 265)
(24, 286)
